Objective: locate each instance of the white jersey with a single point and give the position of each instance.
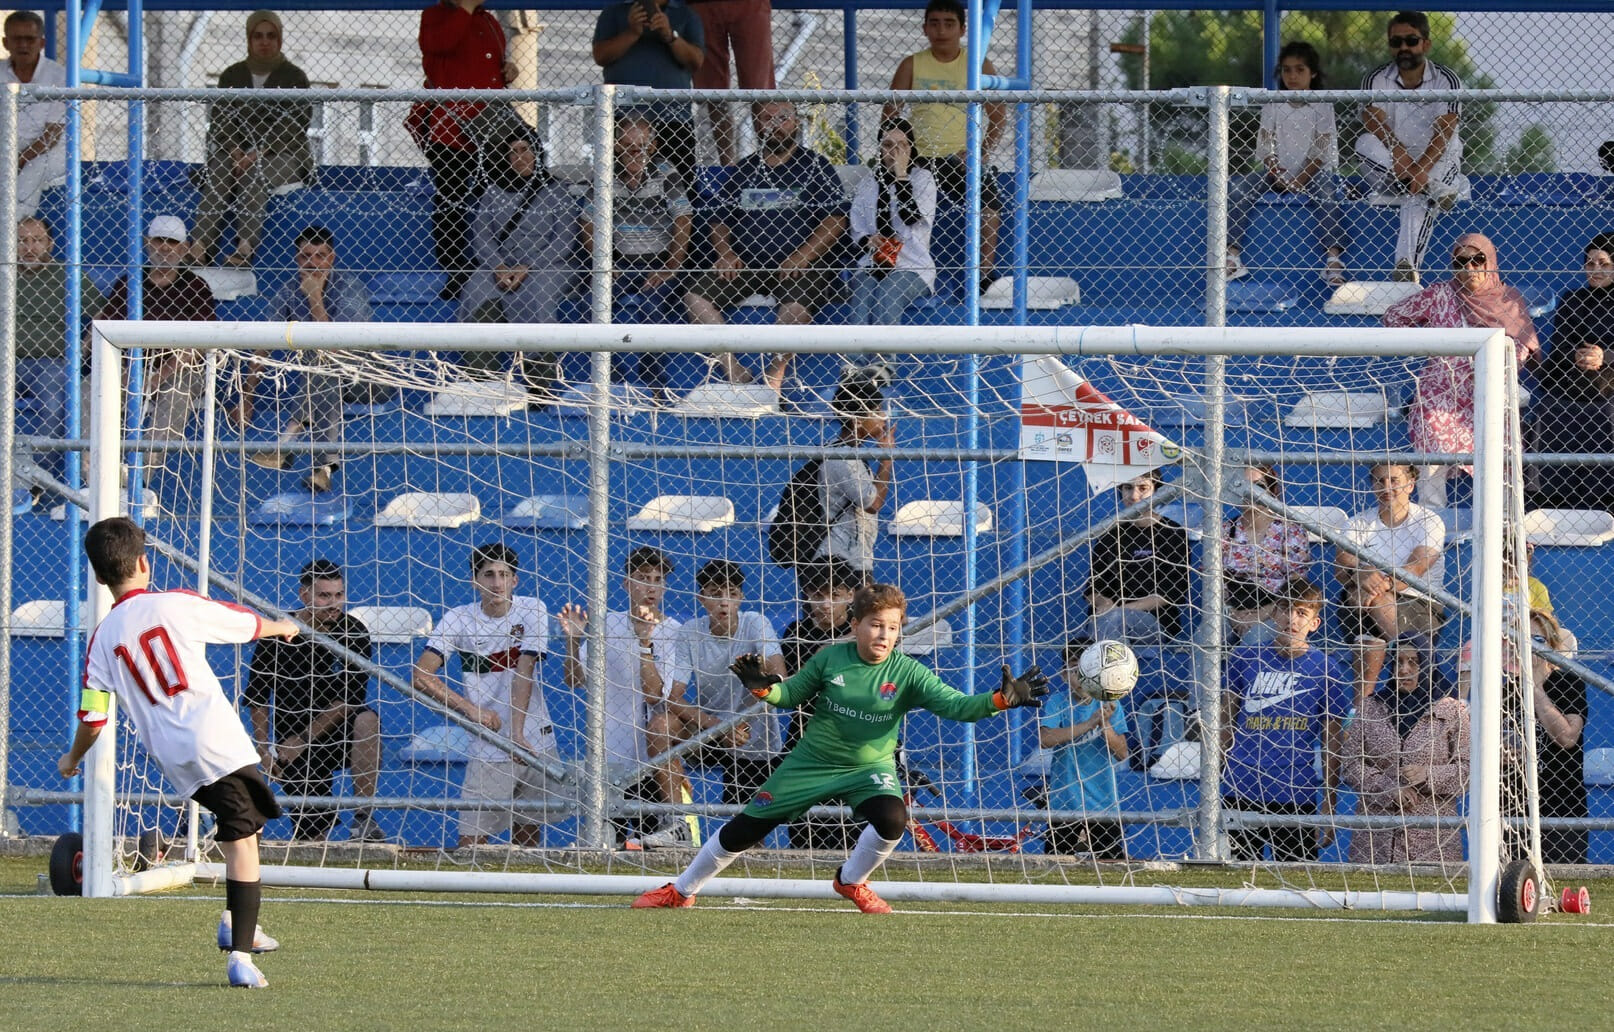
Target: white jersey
(626, 708)
(151, 652)
(1412, 121)
(488, 648)
(704, 660)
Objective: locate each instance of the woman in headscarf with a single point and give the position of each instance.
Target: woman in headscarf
(892, 215)
(1406, 754)
(522, 236)
(1575, 410)
(1442, 416)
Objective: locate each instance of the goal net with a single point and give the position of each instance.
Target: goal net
(1342, 745)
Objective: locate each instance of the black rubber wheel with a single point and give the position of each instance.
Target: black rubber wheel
(148, 850)
(1518, 893)
(67, 865)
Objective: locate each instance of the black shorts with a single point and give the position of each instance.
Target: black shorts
(243, 802)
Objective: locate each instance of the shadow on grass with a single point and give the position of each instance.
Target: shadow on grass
(119, 983)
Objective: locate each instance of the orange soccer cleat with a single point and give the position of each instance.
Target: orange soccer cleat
(867, 899)
(668, 896)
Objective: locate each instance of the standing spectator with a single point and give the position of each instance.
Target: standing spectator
(255, 148)
(853, 493)
(1284, 700)
(826, 590)
(1412, 149)
(321, 724)
(1299, 154)
(1442, 416)
(1575, 409)
(499, 640)
(1560, 704)
(41, 149)
(461, 48)
(1406, 754)
(522, 237)
(893, 213)
(174, 378)
(1139, 578)
(658, 44)
(41, 322)
(940, 128)
(319, 293)
(772, 224)
(640, 656)
(1261, 552)
(747, 27)
(1085, 737)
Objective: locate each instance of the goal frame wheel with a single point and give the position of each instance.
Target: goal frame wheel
(1518, 893)
(67, 865)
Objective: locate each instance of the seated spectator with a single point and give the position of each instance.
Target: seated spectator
(651, 219)
(1085, 739)
(522, 235)
(41, 124)
(658, 44)
(254, 147)
(1574, 412)
(893, 213)
(1406, 754)
(1397, 536)
(1260, 554)
(773, 226)
(1139, 579)
(319, 293)
(1298, 154)
(1442, 416)
(1560, 704)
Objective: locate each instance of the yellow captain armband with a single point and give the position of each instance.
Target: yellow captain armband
(92, 701)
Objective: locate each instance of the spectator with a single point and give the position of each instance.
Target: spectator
(1085, 739)
(773, 224)
(1139, 576)
(319, 293)
(321, 724)
(826, 590)
(499, 640)
(940, 128)
(640, 655)
(1261, 552)
(706, 693)
(522, 236)
(42, 333)
(1299, 154)
(1409, 149)
(1397, 536)
(1406, 754)
(41, 149)
(658, 44)
(854, 494)
(747, 27)
(651, 221)
(462, 47)
(1284, 700)
(1575, 410)
(1442, 416)
(893, 213)
(255, 148)
(175, 379)
(1560, 705)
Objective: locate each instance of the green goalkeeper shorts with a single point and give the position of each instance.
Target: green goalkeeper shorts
(801, 782)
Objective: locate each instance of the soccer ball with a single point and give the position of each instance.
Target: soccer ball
(1107, 670)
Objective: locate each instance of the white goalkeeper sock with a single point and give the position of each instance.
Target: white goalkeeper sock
(869, 853)
(708, 864)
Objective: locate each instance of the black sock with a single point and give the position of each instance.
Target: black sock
(243, 899)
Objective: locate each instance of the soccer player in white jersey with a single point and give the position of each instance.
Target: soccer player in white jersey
(499, 639)
(151, 651)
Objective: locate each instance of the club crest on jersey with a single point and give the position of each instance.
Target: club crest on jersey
(763, 799)
(517, 630)
(888, 691)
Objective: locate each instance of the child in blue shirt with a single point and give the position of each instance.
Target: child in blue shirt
(1085, 739)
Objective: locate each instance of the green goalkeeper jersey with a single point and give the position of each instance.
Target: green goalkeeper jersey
(858, 710)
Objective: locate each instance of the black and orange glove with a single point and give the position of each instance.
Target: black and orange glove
(1025, 690)
(748, 668)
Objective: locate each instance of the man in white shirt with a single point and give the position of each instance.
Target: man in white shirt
(1411, 149)
(499, 639)
(41, 149)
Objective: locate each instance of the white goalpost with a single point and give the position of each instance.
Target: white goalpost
(1004, 581)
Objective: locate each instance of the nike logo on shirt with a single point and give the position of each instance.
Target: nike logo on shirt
(1271, 688)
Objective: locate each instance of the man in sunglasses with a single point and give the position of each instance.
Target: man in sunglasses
(1411, 150)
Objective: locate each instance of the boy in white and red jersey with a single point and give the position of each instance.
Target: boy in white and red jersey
(151, 650)
(499, 639)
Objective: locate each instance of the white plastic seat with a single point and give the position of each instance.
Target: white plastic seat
(1367, 297)
(430, 509)
(228, 284)
(697, 514)
(478, 398)
(928, 640)
(149, 507)
(442, 743)
(938, 517)
(1044, 292)
(1338, 410)
(1568, 528)
(729, 401)
(45, 618)
(548, 512)
(393, 624)
(1077, 185)
(1330, 516)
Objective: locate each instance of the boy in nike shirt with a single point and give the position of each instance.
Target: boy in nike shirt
(1283, 700)
(862, 689)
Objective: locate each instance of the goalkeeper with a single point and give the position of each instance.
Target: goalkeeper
(861, 690)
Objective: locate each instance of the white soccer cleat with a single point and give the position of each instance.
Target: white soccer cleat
(673, 835)
(243, 973)
(261, 943)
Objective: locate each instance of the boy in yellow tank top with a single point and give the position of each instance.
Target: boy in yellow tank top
(939, 128)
